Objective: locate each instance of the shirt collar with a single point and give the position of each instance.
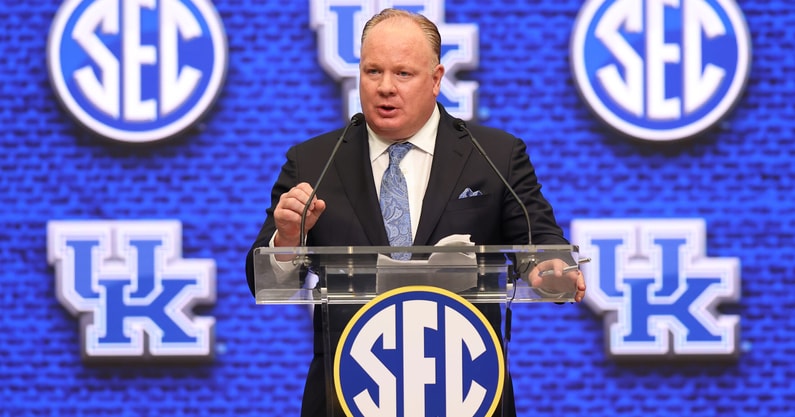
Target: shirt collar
(424, 139)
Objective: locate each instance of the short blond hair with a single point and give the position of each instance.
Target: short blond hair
(428, 28)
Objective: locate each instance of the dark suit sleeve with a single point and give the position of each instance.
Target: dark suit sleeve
(523, 179)
(288, 178)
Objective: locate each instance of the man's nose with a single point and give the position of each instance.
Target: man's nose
(386, 86)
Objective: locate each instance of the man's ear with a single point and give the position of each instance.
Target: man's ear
(437, 75)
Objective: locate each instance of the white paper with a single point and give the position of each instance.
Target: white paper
(453, 271)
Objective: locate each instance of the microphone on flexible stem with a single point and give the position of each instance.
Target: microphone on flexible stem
(461, 126)
(356, 120)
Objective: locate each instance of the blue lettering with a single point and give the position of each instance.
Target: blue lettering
(118, 310)
(607, 265)
(82, 261)
(146, 266)
(642, 310)
(345, 41)
(670, 265)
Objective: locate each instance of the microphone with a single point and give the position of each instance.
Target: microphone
(461, 126)
(356, 120)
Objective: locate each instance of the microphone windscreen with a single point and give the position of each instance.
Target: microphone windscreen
(357, 119)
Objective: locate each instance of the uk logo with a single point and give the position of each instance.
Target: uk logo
(339, 25)
(660, 70)
(417, 351)
(657, 289)
(131, 289)
(137, 70)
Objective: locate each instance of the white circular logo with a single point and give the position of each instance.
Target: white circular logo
(137, 71)
(658, 69)
(419, 350)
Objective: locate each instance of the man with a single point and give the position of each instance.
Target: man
(400, 78)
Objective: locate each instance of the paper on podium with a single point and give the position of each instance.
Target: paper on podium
(453, 271)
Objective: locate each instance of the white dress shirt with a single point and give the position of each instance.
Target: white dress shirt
(416, 165)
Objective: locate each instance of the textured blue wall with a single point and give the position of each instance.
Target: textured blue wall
(216, 180)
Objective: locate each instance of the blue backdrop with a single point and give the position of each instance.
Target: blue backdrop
(216, 181)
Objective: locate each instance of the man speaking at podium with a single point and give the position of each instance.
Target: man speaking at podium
(411, 174)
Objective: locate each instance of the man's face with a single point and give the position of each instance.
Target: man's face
(399, 79)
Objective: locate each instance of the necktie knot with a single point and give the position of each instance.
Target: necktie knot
(397, 151)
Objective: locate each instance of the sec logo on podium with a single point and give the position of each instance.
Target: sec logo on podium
(417, 351)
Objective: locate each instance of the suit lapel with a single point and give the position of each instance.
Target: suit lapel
(356, 174)
(450, 154)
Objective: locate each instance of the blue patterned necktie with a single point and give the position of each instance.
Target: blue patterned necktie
(395, 201)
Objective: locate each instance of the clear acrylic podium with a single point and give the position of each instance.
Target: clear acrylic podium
(355, 275)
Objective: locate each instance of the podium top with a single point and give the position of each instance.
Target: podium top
(452, 248)
(357, 274)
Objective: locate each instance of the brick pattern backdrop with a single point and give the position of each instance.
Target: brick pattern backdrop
(216, 179)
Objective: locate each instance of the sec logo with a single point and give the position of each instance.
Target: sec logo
(418, 351)
(137, 70)
(660, 70)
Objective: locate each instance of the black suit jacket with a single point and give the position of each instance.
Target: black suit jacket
(353, 215)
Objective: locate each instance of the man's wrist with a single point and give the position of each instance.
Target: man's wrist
(280, 241)
(277, 241)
